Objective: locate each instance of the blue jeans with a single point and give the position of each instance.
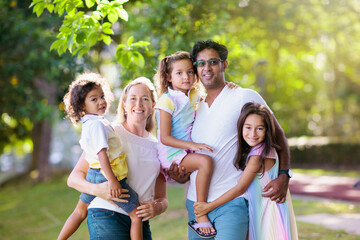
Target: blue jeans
(231, 220)
(95, 176)
(109, 225)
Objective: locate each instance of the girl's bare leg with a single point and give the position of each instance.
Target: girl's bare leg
(204, 164)
(74, 220)
(136, 232)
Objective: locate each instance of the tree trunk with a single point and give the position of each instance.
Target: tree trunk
(41, 137)
(42, 133)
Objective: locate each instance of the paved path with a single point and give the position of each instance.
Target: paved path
(328, 189)
(341, 188)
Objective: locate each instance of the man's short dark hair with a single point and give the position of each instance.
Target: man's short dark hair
(209, 44)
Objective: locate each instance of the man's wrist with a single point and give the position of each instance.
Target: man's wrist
(286, 172)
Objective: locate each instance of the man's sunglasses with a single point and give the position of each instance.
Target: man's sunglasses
(211, 62)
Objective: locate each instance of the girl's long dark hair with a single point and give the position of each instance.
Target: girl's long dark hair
(270, 138)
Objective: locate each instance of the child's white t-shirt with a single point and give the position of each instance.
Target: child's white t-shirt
(96, 134)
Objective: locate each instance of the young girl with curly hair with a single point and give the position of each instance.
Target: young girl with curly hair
(86, 101)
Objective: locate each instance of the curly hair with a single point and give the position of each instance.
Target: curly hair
(270, 138)
(165, 68)
(74, 99)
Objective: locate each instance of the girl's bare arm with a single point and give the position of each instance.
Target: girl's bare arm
(77, 180)
(167, 139)
(202, 208)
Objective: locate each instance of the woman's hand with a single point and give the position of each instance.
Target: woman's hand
(201, 208)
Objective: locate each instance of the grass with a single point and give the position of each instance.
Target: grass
(321, 172)
(38, 211)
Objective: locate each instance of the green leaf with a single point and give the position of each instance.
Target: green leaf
(34, 2)
(39, 9)
(113, 17)
(140, 44)
(121, 47)
(130, 40)
(69, 7)
(92, 38)
(97, 15)
(89, 3)
(106, 39)
(50, 7)
(83, 51)
(79, 3)
(138, 59)
(121, 2)
(122, 13)
(143, 43)
(55, 45)
(106, 28)
(70, 42)
(81, 37)
(125, 59)
(108, 31)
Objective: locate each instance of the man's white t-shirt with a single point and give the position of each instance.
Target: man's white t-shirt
(217, 127)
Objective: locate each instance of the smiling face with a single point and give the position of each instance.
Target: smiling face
(254, 130)
(95, 102)
(138, 105)
(182, 76)
(211, 76)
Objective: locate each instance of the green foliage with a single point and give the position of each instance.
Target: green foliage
(25, 62)
(83, 27)
(295, 53)
(130, 54)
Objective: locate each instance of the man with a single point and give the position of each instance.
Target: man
(216, 125)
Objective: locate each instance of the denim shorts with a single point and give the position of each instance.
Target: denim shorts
(105, 225)
(95, 176)
(231, 220)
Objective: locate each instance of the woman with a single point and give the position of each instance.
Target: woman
(133, 126)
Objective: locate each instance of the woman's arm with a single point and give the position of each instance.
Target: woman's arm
(160, 197)
(150, 209)
(167, 139)
(77, 180)
(277, 188)
(250, 171)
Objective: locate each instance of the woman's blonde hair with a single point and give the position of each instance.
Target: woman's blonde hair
(121, 116)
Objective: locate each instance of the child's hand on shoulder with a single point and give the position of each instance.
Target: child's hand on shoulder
(231, 85)
(115, 188)
(200, 146)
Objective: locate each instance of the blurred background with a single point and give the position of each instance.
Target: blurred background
(302, 56)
